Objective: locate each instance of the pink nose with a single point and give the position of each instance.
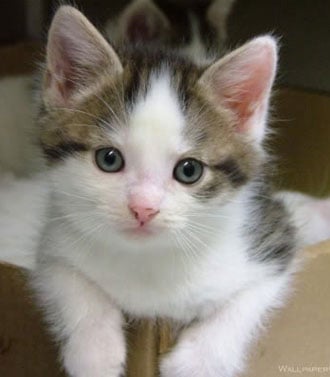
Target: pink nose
(143, 214)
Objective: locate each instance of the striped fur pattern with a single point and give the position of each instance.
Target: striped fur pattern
(232, 161)
(214, 255)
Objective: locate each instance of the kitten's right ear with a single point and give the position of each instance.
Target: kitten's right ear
(241, 82)
(76, 54)
(140, 21)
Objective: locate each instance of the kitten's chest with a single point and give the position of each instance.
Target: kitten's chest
(170, 284)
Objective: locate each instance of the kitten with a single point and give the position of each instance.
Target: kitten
(158, 203)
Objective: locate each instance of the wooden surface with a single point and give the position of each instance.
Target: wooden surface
(25, 348)
(298, 335)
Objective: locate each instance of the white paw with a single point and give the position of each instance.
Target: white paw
(192, 359)
(95, 351)
(186, 362)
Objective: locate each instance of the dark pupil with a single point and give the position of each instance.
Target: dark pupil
(188, 169)
(110, 158)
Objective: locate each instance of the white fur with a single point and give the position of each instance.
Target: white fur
(310, 215)
(90, 321)
(208, 278)
(23, 205)
(215, 347)
(157, 117)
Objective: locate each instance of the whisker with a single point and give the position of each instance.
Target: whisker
(202, 229)
(197, 239)
(69, 194)
(192, 254)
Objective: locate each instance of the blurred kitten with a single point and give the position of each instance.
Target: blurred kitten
(20, 151)
(197, 29)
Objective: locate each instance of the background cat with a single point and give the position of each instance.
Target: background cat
(198, 28)
(20, 152)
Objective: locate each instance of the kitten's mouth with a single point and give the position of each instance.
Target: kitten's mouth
(141, 230)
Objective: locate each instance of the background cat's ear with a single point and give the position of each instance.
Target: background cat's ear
(140, 21)
(217, 15)
(76, 54)
(241, 82)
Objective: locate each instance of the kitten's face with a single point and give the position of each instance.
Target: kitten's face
(150, 164)
(147, 143)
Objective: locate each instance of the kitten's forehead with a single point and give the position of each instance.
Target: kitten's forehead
(154, 136)
(157, 117)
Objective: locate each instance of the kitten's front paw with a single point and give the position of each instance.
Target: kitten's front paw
(191, 360)
(95, 351)
(181, 363)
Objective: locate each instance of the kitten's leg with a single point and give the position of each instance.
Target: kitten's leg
(85, 321)
(217, 345)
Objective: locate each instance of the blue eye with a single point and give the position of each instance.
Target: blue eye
(188, 171)
(109, 160)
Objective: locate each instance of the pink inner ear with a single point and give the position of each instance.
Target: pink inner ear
(248, 96)
(243, 81)
(60, 76)
(76, 53)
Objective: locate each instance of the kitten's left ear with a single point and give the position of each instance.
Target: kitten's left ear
(241, 82)
(76, 54)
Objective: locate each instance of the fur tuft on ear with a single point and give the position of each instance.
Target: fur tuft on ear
(140, 21)
(241, 82)
(76, 54)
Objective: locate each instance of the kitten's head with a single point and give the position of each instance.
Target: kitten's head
(144, 142)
